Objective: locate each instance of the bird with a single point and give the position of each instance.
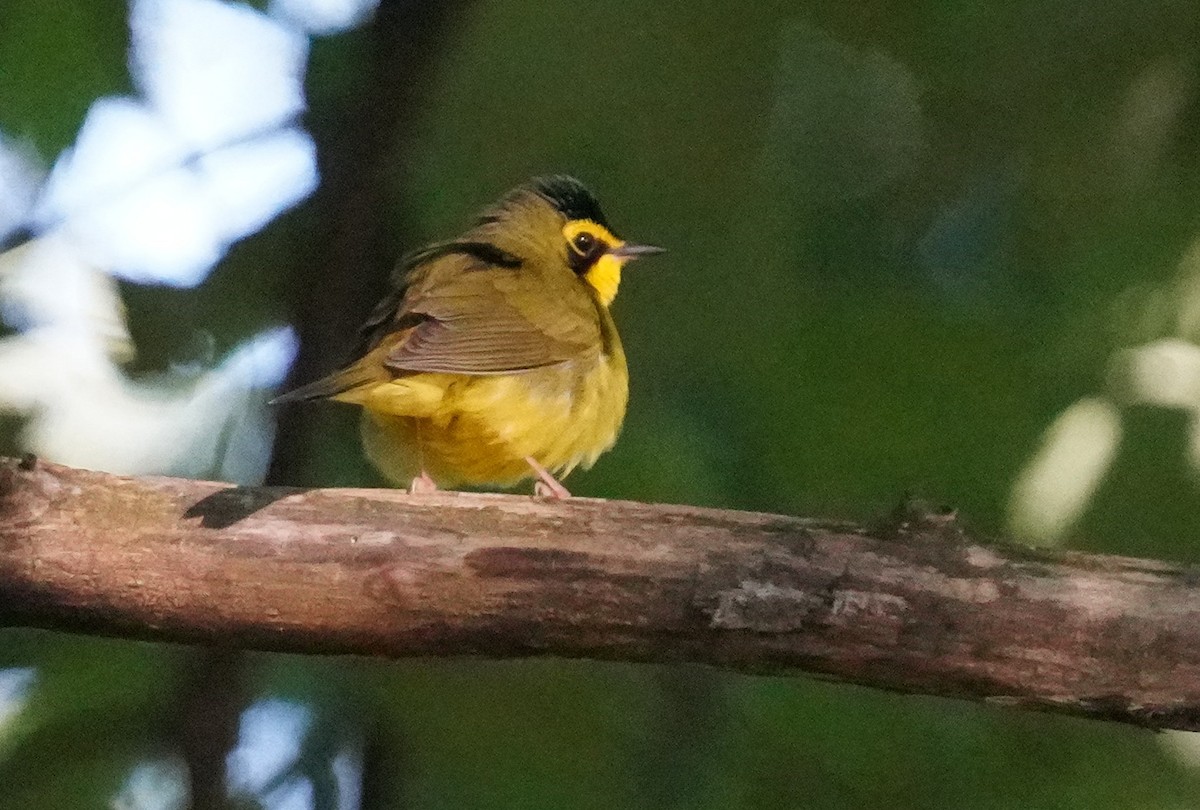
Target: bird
(494, 357)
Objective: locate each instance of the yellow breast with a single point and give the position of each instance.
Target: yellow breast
(480, 429)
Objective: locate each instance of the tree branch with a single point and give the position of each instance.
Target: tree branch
(912, 605)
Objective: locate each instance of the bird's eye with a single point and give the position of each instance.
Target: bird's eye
(583, 243)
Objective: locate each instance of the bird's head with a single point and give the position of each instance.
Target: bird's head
(562, 219)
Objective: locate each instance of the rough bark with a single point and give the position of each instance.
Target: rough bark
(912, 605)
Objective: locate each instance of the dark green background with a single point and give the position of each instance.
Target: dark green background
(903, 237)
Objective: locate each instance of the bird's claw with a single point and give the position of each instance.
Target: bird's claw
(546, 485)
(545, 489)
(422, 485)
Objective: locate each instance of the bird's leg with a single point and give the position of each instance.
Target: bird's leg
(547, 486)
(422, 484)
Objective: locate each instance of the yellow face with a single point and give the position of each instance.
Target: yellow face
(589, 252)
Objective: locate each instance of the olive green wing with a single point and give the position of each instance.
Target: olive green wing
(470, 308)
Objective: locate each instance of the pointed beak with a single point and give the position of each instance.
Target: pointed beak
(630, 251)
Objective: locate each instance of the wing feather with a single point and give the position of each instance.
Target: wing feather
(471, 308)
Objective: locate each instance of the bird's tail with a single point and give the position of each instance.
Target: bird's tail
(327, 387)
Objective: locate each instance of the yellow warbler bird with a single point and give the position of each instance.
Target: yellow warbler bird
(495, 358)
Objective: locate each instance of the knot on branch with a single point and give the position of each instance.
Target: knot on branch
(916, 518)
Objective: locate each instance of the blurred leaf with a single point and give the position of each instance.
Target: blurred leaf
(846, 124)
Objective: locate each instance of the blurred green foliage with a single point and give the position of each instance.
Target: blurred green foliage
(902, 239)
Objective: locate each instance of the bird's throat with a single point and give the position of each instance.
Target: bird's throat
(605, 277)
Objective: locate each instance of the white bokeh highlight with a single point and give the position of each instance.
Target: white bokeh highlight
(125, 197)
(270, 741)
(269, 738)
(15, 685)
(249, 183)
(20, 178)
(63, 375)
(46, 287)
(324, 17)
(348, 771)
(1058, 482)
(157, 784)
(216, 72)
(156, 188)
(1056, 486)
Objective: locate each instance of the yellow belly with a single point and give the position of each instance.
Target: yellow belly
(479, 430)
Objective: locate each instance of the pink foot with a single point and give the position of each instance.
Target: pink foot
(547, 486)
(422, 484)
